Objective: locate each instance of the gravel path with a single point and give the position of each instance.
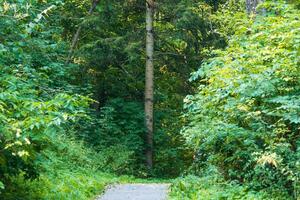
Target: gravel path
(136, 192)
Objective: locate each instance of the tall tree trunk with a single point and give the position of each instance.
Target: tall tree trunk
(251, 5)
(149, 82)
(77, 34)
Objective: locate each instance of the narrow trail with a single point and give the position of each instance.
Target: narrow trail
(136, 192)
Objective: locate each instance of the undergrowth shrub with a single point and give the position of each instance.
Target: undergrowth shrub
(117, 133)
(117, 159)
(215, 188)
(244, 118)
(33, 106)
(68, 170)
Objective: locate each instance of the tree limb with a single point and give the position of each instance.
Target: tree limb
(77, 34)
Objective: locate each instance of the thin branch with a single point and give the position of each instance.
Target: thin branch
(77, 34)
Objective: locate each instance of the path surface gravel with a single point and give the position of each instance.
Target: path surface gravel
(136, 192)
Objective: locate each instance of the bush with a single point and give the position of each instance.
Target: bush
(117, 133)
(33, 107)
(117, 159)
(68, 170)
(215, 188)
(245, 117)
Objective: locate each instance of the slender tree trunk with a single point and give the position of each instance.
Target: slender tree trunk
(149, 82)
(251, 5)
(77, 34)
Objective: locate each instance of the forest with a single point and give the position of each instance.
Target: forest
(201, 94)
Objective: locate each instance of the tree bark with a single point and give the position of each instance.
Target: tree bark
(77, 34)
(251, 6)
(149, 82)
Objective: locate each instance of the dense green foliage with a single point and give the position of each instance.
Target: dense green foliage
(111, 55)
(68, 170)
(67, 125)
(245, 117)
(117, 132)
(214, 187)
(33, 108)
